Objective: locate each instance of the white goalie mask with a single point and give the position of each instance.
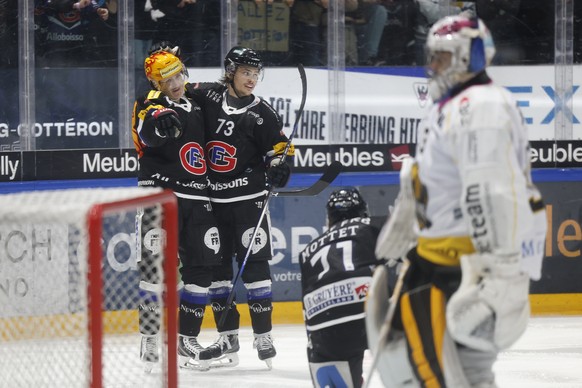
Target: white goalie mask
(471, 45)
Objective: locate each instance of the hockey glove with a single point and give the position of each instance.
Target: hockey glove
(278, 172)
(167, 123)
(490, 310)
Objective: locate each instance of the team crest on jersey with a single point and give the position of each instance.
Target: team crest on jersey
(212, 239)
(220, 156)
(192, 158)
(260, 239)
(153, 240)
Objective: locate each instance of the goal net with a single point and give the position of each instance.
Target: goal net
(71, 302)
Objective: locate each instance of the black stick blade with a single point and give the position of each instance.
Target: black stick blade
(332, 171)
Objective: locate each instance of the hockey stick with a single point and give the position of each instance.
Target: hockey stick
(328, 176)
(270, 194)
(387, 324)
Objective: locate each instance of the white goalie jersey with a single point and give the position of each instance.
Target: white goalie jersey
(472, 181)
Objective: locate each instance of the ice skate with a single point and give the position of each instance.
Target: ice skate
(265, 349)
(148, 352)
(223, 352)
(189, 354)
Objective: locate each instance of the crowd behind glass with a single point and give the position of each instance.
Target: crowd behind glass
(377, 32)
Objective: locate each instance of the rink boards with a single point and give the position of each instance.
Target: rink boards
(296, 220)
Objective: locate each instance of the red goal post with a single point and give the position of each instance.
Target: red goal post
(69, 287)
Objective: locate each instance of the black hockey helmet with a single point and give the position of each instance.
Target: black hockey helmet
(239, 55)
(344, 204)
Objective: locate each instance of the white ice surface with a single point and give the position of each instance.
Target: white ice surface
(548, 355)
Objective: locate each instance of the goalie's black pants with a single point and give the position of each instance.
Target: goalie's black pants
(421, 315)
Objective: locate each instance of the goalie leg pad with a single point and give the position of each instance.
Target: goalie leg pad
(393, 365)
(490, 310)
(331, 374)
(453, 365)
(376, 306)
(475, 368)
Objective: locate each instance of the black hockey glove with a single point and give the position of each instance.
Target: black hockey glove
(278, 173)
(167, 123)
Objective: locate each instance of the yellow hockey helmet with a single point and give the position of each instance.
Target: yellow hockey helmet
(162, 65)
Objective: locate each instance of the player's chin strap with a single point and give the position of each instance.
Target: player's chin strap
(231, 294)
(231, 83)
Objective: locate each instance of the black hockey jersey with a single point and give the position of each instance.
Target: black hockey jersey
(336, 271)
(179, 164)
(238, 139)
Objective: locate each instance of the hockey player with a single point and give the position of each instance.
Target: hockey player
(168, 133)
(478, 223)
(244, 146)
(336, 269)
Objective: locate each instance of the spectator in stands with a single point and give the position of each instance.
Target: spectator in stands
(535, 24)
(370, 33)
(397, 44)
(69, 33)
(145, 18)
(353, 18)
(194, 25)
(271, 50)
(8, 33)
(501, 18)
(429, 11)
(305, 32)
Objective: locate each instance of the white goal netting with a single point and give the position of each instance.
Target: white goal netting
(69, 287)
